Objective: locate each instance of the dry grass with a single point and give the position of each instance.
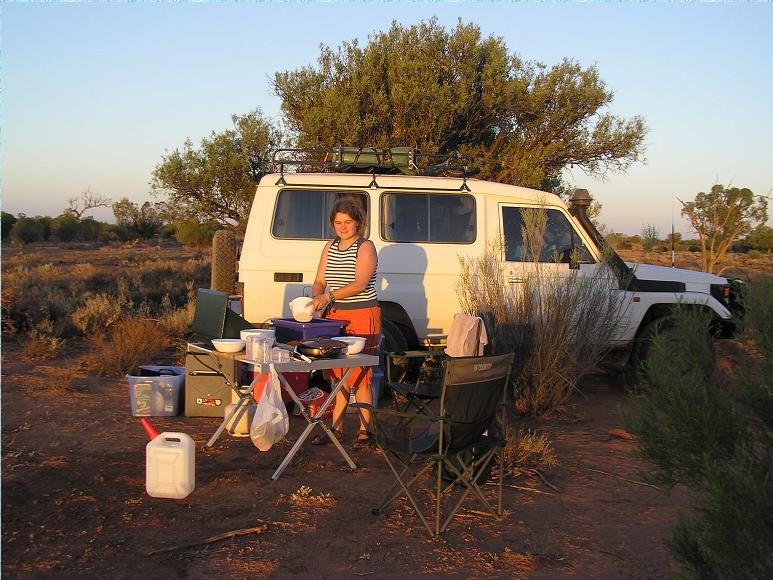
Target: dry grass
(528, 450)
(84, 292)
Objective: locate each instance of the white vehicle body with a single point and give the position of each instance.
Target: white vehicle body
(278, 262)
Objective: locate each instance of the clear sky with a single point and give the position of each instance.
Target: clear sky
(94, 94)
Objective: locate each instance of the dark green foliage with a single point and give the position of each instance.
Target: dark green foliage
(715, 437)
(27, 230)
(453, 90)
(138, 222)
(190, 233)
(216, 181)
(8, 221)
(759, 239)
(722, 216)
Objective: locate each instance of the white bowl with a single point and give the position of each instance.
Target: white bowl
(228, 344)
(355, 343)
(261, 332)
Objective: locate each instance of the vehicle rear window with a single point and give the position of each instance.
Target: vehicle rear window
(305, 213)
(428, 217)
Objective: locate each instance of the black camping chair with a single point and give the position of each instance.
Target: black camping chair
(415, 376)
(457, 445)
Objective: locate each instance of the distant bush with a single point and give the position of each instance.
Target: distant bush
(27, 230)
(8, 221)
(195, 234)
(714, 436)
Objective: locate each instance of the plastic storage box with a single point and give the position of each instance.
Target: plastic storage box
(156, 396)
(288, 329)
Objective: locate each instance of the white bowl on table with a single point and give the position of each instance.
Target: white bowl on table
(354, 344)
(228, 344)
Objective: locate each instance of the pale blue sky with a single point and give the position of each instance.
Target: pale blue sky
(94, 94)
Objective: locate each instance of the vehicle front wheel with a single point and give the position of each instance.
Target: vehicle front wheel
(644, 355)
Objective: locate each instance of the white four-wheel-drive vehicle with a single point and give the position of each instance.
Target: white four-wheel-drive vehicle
(420, 225)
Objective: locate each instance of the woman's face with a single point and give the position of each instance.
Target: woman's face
(345, 226)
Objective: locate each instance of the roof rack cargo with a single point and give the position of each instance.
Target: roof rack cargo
(395, 160)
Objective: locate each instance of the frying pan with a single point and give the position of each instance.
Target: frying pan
(321, 348)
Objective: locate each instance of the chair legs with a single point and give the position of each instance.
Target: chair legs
(466, 477)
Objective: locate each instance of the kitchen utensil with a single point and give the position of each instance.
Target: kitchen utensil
(321, 348)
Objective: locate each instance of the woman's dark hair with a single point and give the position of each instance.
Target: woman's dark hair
(350, 207)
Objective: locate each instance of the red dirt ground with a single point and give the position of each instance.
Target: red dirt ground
(74, 502)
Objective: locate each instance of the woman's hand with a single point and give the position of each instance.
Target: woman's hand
(319, 301)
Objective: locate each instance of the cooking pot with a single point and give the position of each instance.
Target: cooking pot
(321, 348)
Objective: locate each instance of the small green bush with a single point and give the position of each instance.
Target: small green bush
(716, 437)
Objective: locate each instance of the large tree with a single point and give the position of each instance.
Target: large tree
(722, 216)
(441, 91)
(216, 181)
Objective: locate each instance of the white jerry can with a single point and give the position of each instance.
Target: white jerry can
(170, 469)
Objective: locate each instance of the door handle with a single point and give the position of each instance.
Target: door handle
(516, 280)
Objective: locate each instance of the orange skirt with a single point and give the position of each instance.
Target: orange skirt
(364, 322)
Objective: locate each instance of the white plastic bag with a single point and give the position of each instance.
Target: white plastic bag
(271, 422)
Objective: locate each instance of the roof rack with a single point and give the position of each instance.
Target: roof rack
(369, 160)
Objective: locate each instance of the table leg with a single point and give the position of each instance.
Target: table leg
(243, 400)
(313, 422)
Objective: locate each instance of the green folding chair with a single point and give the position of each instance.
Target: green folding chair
(456, 446)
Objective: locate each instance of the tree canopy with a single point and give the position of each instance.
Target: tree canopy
(216, 181)
(441, 91)
(722, 216)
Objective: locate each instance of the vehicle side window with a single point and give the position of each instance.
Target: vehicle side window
(305, 213)
(434, 218)
(559, 238)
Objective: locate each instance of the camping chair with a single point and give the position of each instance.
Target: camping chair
(416, 375)
(456, 445)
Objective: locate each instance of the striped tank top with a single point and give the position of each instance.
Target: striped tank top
(340, 272)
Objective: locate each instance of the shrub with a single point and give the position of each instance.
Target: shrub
(27, 230)
(195, 234)
(8, 220)
(129, 342)
(716, 437)
(99, 312)
(559, 327)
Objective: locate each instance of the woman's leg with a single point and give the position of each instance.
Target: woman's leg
(363, 394)
(341, 402)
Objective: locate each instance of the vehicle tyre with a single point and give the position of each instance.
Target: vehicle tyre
(394, 341)
(643, 351)
(224, 273)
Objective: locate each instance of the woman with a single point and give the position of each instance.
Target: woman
(346, 277)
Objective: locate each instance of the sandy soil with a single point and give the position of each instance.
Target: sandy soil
(74, 503)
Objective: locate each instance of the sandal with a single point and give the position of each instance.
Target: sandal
(323, 439)
(364, 440)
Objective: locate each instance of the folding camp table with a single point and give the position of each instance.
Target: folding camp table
(347, 362)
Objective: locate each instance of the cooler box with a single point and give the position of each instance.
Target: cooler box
(154, 395)
(298, 381)
(288, 329)
(206, 389)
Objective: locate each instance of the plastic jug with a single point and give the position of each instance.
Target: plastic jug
(170, 469)
(239, 424)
